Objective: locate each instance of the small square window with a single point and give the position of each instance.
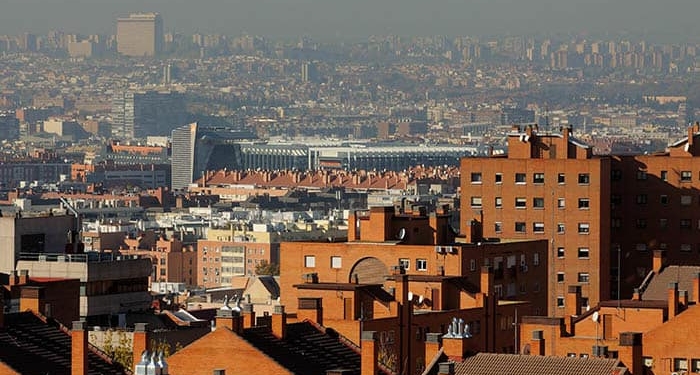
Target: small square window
(520, 227)
(560, 227)
(686, 248)
(680, 364)
(499, 202)
(583, 252)
(616, 175)
(663, 175)
(560, 252)
(499, 178)
(561, 203)
(641, 175)
(616, 222)
(583, 277)
(309, 261)
(421, 264)
(641, 247)
(476, 177)
(538, 227)
(405, 263)
(560, 277)
(538, 202)
(584, 227)
(663, 199)
(476, 201)
(686, 200)
(642, 199)
(584, 178)
(520, 202)
(498, 227)
(538, 178)
(520, 178)
(663, 223)
(685, 223)
(695, 362)
(561, 178)
(641, 223)
(686, 176)
(336, 262)
(584, 203)
(560, 302)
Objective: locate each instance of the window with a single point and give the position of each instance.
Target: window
(560, 277)
(538, 178)
(476, 201)
(663, 223)
(538, 227)
(686, 200)
(472, 265)
(616, 175)
(584, 178)
(536, 259)
(616, 222)
(641, 175)
(162, 261)
(641, 223)
(641, 247)
(584, 227)
(584, 203)
(536, 287)
(583, 277)
(309, 261)
(421, 264)
(642, 199)
(560, 301)
(405, 263)
(685, 223)
(680, 364)
(561, 178)
(520, 178)
(616, 199)
(560, 228)
(686, 248)
(560, 252)
(561, 203)
(476, 178)
(499, 202)
(498, 290)
(520, 227)
(498, 227)
(336, 262)
(520, 202)
(663, 199)
(499, 178)
(538, 202)
(664, 175)
(686, 176)
(695, 362)
(583, 252)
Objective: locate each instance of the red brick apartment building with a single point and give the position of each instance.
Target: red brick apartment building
(593, 210)
(406, 270)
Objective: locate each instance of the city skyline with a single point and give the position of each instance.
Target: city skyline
(673, 19)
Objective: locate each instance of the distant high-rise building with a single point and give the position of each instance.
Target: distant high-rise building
(197, 149)
(138, 114)
(309, 72)
(140, 34)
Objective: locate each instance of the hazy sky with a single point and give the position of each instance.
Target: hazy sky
(359, 18)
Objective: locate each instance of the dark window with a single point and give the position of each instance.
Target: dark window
(642, 199)
(641, 223)
(520, 227)
(538, 178)
(686, 176)
(685, 223)
(560, 252)
(584, 178)
(664, 199)
(538, 202)
(499, 178)
(584, 203)
(476, 177)
(641, 175)
(561, 178)
(664, 175)
(520, 178)
(616, 175)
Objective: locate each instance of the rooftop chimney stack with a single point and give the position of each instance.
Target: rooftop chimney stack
(672, 300)
(79, 348)
(141, 341)
(370, 353)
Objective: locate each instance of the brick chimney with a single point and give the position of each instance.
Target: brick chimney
(79, 348)
(248, 316)
(310, 308)
(630, 352)
(573, 306)
(230, 319)
(370, 353)
(672, 300)
(433, 342)
(537, 343)
(446, 368)
(279, 321)
(458, 343)
(658, 261)
(141, 341)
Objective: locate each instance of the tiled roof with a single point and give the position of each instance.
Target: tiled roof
(514, 364)
(657, 289)
(305, 350)
(33, 347)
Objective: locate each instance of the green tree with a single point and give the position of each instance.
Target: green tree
(265, 268)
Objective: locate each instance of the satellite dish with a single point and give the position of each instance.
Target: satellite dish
(410, 296)
(402, 234)
(595, 317)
